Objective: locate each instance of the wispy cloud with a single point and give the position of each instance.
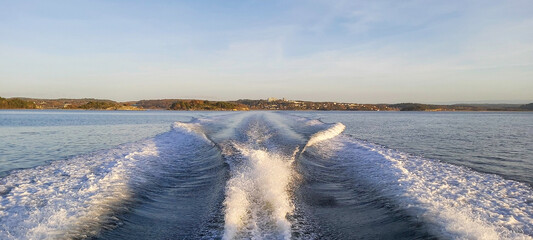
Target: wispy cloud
(360, 51)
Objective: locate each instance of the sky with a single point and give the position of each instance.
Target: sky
(319, 50)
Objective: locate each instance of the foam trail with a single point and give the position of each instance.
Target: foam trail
(323, 135)
(190, 127)
(257, 196)
(258, 199)
(184, 197)
(453, 201)
(69, 199)
(81, 196)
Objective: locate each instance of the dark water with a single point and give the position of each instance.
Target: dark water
(265, 175)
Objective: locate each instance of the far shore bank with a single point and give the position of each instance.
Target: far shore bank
(245, 105)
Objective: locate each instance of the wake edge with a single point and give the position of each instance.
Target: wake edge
(87, 195)
(451, 201)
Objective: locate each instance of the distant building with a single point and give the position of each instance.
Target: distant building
(272, 99)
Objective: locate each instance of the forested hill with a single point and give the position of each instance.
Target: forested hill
(16, 103)
(190, 104)
(102, 104)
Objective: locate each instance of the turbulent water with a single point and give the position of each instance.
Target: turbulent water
(259, 175)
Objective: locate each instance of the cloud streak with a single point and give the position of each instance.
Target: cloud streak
(353, 51)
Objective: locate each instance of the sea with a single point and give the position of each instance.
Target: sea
(67, 174)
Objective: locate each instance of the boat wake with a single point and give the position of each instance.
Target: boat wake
(259, 175)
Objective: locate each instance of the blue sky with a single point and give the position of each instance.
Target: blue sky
(350, 51)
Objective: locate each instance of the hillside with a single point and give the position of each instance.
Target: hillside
(16, 103)
(186, 104)
(243, 105)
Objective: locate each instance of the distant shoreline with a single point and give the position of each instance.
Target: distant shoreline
(245, 105)
(258, 110)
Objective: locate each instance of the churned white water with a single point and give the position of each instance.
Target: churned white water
(69, 198)
(78, 197)
(257, 198)
(326, 134)
(455, 202)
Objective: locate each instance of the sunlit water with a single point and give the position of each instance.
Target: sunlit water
(265, 175)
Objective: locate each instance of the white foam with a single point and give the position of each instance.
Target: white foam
(329, 133)
(73, 198)
(68, 199)
(257, 196)
(323, 135)
(192, 127)
(454, 201)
